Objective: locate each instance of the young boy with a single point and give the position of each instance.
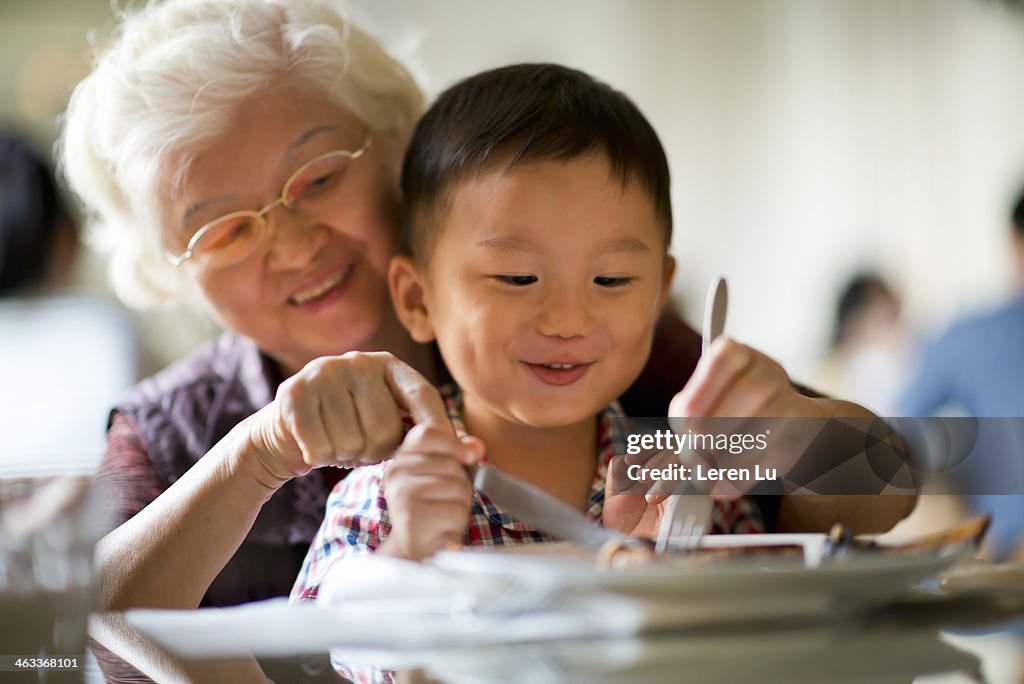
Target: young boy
(538, 222)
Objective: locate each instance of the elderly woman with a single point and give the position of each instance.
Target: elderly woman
(244, 155)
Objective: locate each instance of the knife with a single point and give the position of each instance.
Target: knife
(535, 507)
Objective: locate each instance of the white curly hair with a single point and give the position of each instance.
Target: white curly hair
(163, 84)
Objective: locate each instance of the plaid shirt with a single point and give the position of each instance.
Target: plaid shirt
(357, 521)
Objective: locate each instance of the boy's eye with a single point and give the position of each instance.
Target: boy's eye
(610, 281)
(517, 280)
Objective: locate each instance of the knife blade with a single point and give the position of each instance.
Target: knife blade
(535, 507)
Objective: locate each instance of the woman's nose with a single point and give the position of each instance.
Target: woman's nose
(294, 239)
(565, 313)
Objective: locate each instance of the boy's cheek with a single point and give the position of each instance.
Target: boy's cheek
(634, 333)
(637, 315)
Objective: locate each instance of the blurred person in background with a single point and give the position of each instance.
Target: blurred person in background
(871, 345)
(976, 368)
(64, 356)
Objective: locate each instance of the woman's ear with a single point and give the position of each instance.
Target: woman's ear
(408, 296)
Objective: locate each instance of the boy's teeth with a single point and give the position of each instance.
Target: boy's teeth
(558, 366)
(315, 292)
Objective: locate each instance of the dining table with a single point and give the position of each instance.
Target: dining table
(972, 631)
(475, 617)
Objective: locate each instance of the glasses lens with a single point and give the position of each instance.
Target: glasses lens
(229, 239)
(318, 179)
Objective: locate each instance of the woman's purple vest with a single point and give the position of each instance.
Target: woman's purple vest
(182, 412)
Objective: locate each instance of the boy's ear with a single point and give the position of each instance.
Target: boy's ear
(666, 282)
(408, 298)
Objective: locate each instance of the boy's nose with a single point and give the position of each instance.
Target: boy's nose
(293, 239)
(565, 314)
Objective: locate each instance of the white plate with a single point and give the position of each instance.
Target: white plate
(724, 591)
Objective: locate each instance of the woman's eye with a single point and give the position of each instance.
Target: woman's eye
(320, 181)
(609, 281)
(315, 185)
(517, 280)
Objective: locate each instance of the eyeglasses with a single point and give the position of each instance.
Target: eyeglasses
(233, 237)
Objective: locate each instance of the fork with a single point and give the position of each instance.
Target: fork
(684, 524)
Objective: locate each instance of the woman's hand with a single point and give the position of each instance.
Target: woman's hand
(739, 382)
(736, 381)
(341, 411)
(428, 491)
(731, 381)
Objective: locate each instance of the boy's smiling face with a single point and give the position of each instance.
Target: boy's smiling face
(542, 288)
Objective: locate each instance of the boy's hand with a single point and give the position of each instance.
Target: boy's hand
(631, 514)
(428, 491)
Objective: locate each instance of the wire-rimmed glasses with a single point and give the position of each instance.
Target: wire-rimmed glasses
(232, 237)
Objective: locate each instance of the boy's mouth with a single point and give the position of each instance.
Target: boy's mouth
(559, 374)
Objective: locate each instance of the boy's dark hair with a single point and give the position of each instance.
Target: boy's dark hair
(521, 114)
(31, 209)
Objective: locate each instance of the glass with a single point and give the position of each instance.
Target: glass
(48, 528)
(232, 237)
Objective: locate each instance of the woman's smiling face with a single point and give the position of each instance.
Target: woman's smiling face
(317, 283)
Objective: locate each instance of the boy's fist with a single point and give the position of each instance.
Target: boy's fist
(428, 491)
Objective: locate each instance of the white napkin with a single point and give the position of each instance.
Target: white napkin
(374, 604)
(412, 605)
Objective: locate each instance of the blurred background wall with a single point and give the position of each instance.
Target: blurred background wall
(807, 138)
